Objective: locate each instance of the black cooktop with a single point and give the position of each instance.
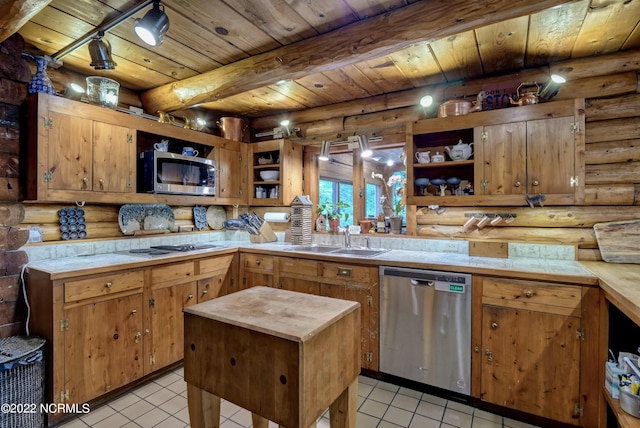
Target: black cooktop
(182, 248)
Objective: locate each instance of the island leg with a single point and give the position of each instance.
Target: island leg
(204, 408)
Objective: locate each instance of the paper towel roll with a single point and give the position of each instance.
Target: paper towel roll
(277, 217)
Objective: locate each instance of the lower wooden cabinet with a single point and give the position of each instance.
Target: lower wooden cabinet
(105, 331)
(532, 351)
(102, 347)
(342, 281)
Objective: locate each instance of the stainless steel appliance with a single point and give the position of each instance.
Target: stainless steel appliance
(164, 172)
(425, 327)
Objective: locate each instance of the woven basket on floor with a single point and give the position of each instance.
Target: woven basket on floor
(22, 381)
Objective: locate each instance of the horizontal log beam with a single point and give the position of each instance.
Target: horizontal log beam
(612, 130)
(612, 152)
(583, 237)
(612, 173)
(15, 13)
(612, 108)
(361, 41)
(542, 217)
(611, 194)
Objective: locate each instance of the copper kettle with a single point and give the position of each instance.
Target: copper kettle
(527, 94)
(459, 107)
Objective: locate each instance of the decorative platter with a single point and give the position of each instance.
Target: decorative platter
(216, 216)
(200, 217)
(133, 218)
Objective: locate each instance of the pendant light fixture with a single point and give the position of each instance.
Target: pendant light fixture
(100, 51)
(153, 26)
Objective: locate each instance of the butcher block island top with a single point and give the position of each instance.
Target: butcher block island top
(292, 316)
(283, 355)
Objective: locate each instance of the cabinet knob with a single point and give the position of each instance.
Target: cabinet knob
(258, 262)
(528, 294)
(138, 336)
(535, 183)
(134, 311)
(476, 349)
(146, 331)
(205, 291)
(517, 184)
(85, 180)
(494, 325)
(108, 284)
(190, 296)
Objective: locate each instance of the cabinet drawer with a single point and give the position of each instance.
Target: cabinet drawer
(177, 272)
(343, 273)
(102, 285)
(257, 262)
(516, 293)
(216, 266)
(300, 266)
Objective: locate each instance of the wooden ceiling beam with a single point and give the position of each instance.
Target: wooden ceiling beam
(15, 13)
(420, 22)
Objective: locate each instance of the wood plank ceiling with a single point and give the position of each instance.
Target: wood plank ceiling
(331, 51)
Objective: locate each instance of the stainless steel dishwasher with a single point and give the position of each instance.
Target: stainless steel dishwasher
(425, 327)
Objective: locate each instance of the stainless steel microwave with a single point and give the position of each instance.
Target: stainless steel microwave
(164, 172)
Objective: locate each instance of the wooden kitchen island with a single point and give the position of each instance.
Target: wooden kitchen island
(285, 356)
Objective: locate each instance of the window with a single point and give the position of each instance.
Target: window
(372, 200)
(332, 190)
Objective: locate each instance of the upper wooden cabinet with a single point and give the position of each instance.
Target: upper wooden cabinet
(277, 156)
(83, 152)
(528, 150)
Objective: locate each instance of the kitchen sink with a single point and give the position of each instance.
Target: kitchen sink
(363, 252)
(314, 248)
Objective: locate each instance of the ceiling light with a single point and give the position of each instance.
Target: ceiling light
(551, 88)
(100, 52)
(389, 162)
(426, 101)
(325, 151)
(153, 26)
(285, 122)
(364, 146)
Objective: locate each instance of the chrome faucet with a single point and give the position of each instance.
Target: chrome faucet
(347, 238)
(368, 241)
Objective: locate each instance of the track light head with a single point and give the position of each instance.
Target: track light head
(100, 52)
(153, 26)
(325, 150)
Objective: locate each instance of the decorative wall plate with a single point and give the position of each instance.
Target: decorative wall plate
(216, 216)
(135, 217)
(200, 217)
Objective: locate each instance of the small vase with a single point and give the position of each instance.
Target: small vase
(365, 226)
(40, 81)
(334, 225)
(396, 224)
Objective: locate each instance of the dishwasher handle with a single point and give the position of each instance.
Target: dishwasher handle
(423, 282)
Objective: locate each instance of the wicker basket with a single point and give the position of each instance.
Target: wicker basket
(22, 381)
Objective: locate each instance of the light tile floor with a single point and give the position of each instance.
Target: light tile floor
(162, 403)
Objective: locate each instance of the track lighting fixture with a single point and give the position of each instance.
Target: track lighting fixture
(363, 143)
(426, 101)
(153, 26)
(100, 52)
(551, 88)
(325, 150)
(73, 91)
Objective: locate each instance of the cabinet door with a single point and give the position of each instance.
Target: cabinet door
(502, 159)
(551, 156)
(103, 347)
(69, 152)
(299, 285)
(114, 155)
(531, 362)
(167, 323)
(230, 172)
(254, 279)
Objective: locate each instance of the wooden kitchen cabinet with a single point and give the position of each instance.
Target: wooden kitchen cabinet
(342, 281)
(527, 150)
(256, 269)
(534, 349)
(83, 152)
(220, 276)
(281, 156)
(79, 156)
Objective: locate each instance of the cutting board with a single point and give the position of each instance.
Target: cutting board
(619, 241)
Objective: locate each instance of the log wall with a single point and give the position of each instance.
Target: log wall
(14, 76)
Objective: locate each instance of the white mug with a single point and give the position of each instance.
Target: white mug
(163, 146)
(189, 151)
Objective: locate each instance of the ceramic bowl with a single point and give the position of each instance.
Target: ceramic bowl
(269, 175)
(437, 181)
(421, 182)
(453, 181)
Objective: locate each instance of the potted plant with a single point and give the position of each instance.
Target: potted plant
(334, 212)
